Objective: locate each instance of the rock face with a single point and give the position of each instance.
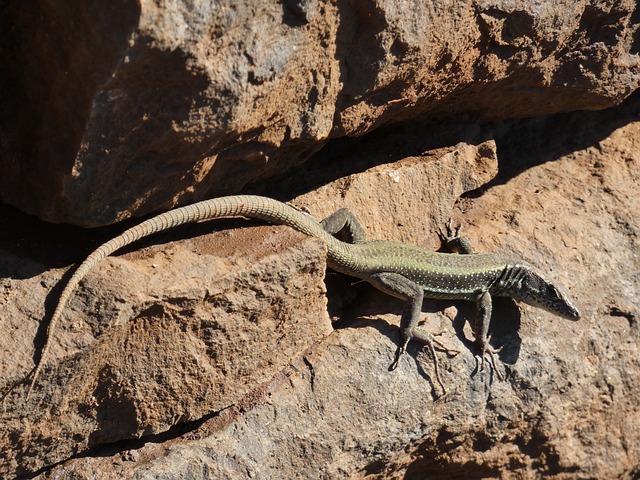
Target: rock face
(183, 330)
(285, 396)
(225, 355)
(112, 110)
(186, 329)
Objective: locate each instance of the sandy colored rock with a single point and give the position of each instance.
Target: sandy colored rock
(395, 191)
(119, 110)
(181, 332)
(567, 202)
(186, 329)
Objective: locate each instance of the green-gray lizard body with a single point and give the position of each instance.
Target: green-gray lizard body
(404, 271)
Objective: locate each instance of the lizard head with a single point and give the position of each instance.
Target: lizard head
(535, 290)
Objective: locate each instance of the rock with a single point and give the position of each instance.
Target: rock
(188, 329)
(183, 330)
(395, 191)
(565, 199)
(112, 111)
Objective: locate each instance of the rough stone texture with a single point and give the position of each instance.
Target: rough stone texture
(184, 329)
(565, 199)
(392, 191)
(117, 109)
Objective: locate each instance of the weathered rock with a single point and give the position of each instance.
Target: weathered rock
(386, 198)
(116, 110)
(184, 330)
(566, 200)
(187, 329)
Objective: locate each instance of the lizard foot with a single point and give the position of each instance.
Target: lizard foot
(429, 342)
(450, 237)
(399, 353)
(449, 233)
(491, 352)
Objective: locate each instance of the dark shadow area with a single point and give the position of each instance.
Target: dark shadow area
(359, 300)
(358, 51)
(431, 459)
(350, 155)
(29, 246)
(50, 304)
(432, 462)
(294, 13)
(40, 338)
(49, 77)
(351, 301)
(44, 244)
(111, 449)
(503, 328)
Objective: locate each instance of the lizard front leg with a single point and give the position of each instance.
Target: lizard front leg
(481, 330)
(450, 236)
(401, 287)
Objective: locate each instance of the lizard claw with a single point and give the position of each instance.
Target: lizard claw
(491, 353)
(401, 351)
(453, 231)
(449, 233)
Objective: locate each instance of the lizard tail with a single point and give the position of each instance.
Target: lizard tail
(262, 208)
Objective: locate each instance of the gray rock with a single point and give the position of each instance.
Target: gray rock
(112, 111)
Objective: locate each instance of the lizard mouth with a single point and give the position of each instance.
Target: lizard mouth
(572, 314)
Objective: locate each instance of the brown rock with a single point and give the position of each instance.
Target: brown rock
(118, 110)
(566, 200)
(395, 191)
(186, 329)
(182, 332)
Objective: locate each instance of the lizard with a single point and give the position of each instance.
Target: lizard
(404, 271)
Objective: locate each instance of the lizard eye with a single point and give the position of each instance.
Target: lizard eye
(552, 292)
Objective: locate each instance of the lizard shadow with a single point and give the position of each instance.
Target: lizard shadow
(40, 337)
(355, 306)
(504, 328)
(50, 303)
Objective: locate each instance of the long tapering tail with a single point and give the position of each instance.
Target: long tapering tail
(262, 208)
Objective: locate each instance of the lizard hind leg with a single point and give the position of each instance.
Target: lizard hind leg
(401, 287)
(481, 330)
